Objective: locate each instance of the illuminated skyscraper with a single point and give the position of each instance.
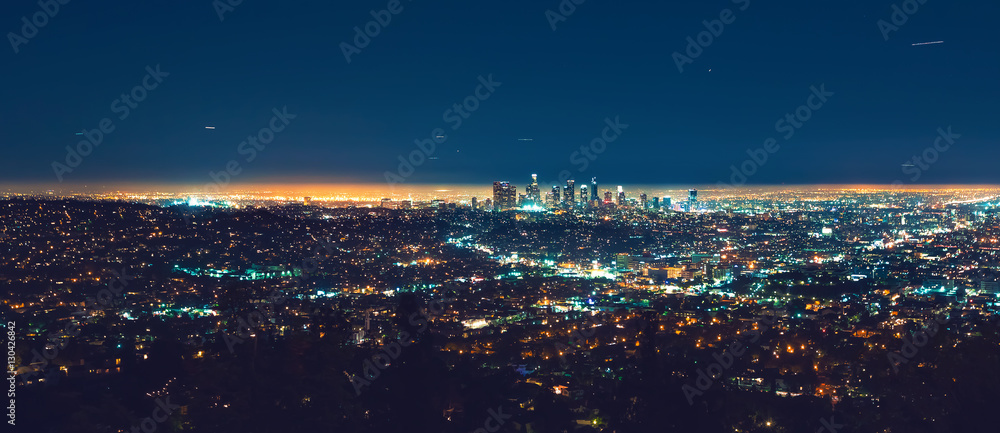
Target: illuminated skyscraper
(643, 202)
(608, 198)
(556, 196)
(656, 203)
(593, 189)
(504, 196)
(475, 204)
(583, 196)
(533, 194)
(692, 200)
(668, 203)
(621, 196)
(569, 194)
(623, 262)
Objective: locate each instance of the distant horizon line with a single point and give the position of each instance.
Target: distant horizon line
(194, 188)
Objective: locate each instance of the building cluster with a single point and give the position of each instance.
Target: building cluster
(569, 296)
(505, 197)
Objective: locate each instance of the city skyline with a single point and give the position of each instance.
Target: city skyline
(529, 216)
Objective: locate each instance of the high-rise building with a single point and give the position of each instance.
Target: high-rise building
(386, 203)
(623, 261)
(533, 195)
(569, 194)
(656, 203)
(504, 196)
(643, 202)
(593, 189)
(474, 204)
(583, 196)
(668, 203)
(692, 200)
(608, 198)
(406, 204)
(556, 197)
(621, 196)
(306, 201)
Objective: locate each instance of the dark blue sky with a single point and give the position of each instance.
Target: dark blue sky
(609, 58)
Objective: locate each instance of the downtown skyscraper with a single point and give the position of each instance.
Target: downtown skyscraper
(504, 196)
(532, 194)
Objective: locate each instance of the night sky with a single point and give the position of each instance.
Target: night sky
(607, 59)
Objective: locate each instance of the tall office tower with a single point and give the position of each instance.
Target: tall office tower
(569, 194)
(593, 189)
(656, 203)
(621, 196)
(387, 203)
(306, 201)
(474, 204)
(522, 200)
(556, 196)
(533, 194)
(583, 196)
(692, 200)
(607, 198)
(504, 196)
(623, 261)
(643, 203)
(668, 203)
